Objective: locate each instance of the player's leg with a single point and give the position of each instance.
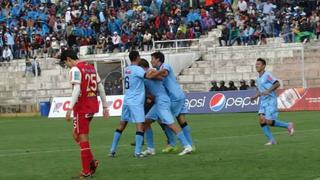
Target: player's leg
(138, 117)
(273, 114)
(116, 137)
(149, 138)
(264, 123)
(169, 134)
(179, 111)
(150, 117)
(167, 118)
(183, 140)
(266, 130)
(83, 137)
(125, 116)
(185, 128)
(139, 139)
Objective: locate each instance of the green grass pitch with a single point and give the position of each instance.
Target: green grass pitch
(229, 146)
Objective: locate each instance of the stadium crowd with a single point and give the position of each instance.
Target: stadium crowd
(34, 27)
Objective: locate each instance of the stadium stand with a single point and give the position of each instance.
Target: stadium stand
(104, 26)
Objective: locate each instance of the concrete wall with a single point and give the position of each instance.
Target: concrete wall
(238, 62)
(19, 93)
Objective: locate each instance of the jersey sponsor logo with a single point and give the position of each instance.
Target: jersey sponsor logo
(217, 102)
(128, 72)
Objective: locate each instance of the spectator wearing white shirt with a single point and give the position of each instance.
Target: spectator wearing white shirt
(147, 40)
(116, 40)
(7, 54)
(55, 47)
(242, 6)
(68, 15)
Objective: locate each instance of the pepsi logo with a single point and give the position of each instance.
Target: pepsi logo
(217, 102)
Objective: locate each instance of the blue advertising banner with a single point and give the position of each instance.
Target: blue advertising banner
(221, 102)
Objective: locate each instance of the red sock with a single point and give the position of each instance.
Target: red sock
(86, 156)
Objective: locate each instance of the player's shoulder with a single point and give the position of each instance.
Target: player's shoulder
(74, 69)
(267, 73)
(165, 66)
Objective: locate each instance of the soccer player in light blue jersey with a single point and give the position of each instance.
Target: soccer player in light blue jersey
(176, 95)
(268, 111)
(133, 104)
(161, 110)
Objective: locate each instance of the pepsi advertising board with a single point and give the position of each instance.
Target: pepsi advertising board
(221, 102)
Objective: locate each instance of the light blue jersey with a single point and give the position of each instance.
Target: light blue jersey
(171, 84)
(157, 89)
(134, 95)
(175, 92)
(268, 104)
(161, 110)
(265, 82)
(134, 85)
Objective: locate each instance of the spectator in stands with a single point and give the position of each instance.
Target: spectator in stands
(108, 88)
(243, 85)
(224, 35)
(9, 40)
(253, 84)
(232, 87)
(116, 40)
(197, 29)
(7, 54)
(109, 45)
(36, 70)
(214, 86)
(100, 46)
(55, 47)
(318, 29)
(234, 36)
(47, 46)
(37, 46)
(268, 7)
(147, 40)
(242, 6)
(247, 36)
(28, 67)
(117, 87)
(222, 86)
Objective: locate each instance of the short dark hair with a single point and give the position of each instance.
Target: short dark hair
(133, 55)
(144, 63)
(68, 53)
(262, 60)
(158, 55)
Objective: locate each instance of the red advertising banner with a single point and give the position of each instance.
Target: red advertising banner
(299, 99)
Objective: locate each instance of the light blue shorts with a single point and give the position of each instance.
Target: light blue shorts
(162, 113)
(179, 107)
(269, 109)
(133, 113)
